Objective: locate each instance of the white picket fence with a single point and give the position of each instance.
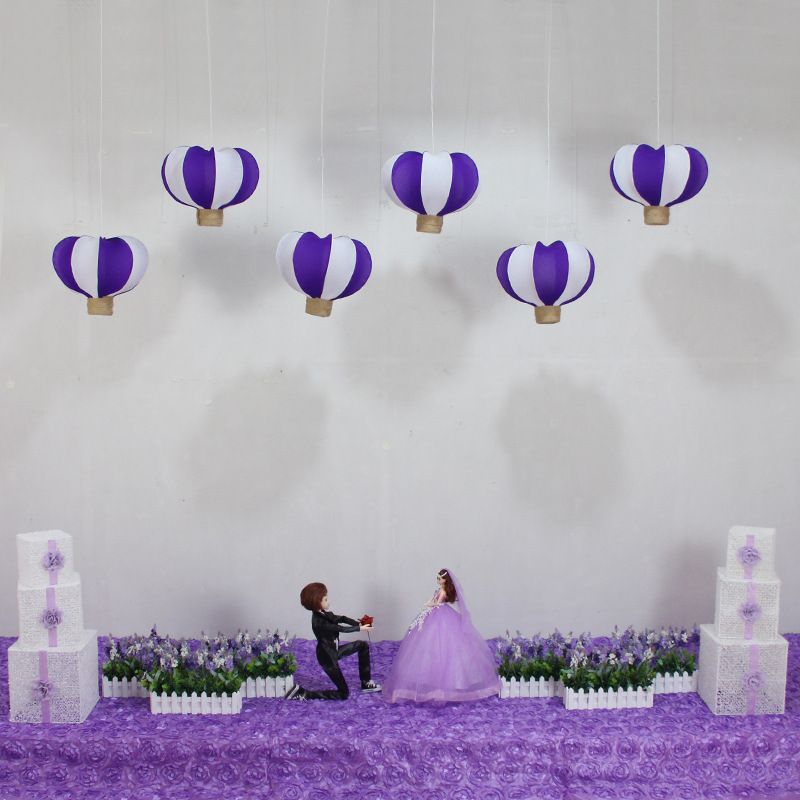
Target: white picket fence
(542, 687)
(251, 688)
(663, 684)
(122, 687)
(612, 699)
(192, 704)
(267, 687)
(676, 683)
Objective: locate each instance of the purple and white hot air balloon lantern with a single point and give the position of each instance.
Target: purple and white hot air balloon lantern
(323, 268)
(100, 269)
(658, 178)
(546, 276)
(431, 185)
(210, 180)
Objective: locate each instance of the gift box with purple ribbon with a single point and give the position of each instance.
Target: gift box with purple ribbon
(746, 609)
(751, 553)
(53, 665)
(742, 658)
(55, 684)
(738, 676)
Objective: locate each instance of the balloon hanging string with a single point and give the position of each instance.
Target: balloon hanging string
(100, 150)
(549, 54)
(322, 117)
(208, 61)
(658, 73)
(433, 65)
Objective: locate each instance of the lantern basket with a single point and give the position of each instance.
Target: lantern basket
(656, 215)
(429, 223)
(209, 217)
(318, 307)
(547, 315)
(100, 306)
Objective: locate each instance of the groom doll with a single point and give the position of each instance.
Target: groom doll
(327, 627)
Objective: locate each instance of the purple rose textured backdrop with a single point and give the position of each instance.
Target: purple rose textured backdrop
(366, 749)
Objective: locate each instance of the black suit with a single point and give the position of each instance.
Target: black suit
(327, 627)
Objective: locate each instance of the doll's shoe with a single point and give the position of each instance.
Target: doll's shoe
(370, 686)
(294, 693)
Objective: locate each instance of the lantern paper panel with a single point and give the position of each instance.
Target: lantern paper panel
(546, 276)
(658, 178)
(323, 268)
(210, 180)
(431, 185)
(100, 269)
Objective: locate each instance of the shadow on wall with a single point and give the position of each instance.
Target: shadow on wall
(725, 321)
(259, 438)
(602, 203)
(412, 327)
(694, 565)
(55, 353)
(562, 441)
(237, 266)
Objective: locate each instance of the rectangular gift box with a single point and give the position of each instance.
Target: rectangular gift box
(754, 545)
(31, 551)
(746, 609)
(739, 677)
(63, 598)
(58, 684)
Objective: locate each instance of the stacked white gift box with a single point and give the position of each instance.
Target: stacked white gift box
(52, 667)
(742, 658)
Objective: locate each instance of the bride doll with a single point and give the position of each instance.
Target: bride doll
(442, 657)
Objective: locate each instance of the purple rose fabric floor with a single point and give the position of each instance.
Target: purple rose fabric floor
(366, 749)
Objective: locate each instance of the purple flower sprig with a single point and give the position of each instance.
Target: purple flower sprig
(264, 656)
(217, 664)
(132, 656)
(626, 658)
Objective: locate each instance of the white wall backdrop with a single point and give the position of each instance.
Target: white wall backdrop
(212, 448)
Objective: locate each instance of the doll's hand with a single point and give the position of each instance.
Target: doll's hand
(365, 627)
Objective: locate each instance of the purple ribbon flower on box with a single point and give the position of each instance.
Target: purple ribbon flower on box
(53, 560)
(750, 611)
(753, 680)
(51, 618)
(42, 690)
(748, 555)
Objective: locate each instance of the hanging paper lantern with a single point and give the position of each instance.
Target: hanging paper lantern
(100, 268)
(431, 185)
(546, 276)
(210, 180)
(323, 269)
(658, 178)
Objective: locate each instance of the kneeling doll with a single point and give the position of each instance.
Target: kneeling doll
(327, 627)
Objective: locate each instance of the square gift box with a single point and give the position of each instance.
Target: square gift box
(751, 553)
(59, 684)
(742, 676)
(36, 558)
(746, 609)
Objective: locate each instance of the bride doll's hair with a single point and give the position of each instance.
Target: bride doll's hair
(311, 596)
(449, 589)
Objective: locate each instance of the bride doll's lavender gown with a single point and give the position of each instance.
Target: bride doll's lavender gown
(442, 658)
